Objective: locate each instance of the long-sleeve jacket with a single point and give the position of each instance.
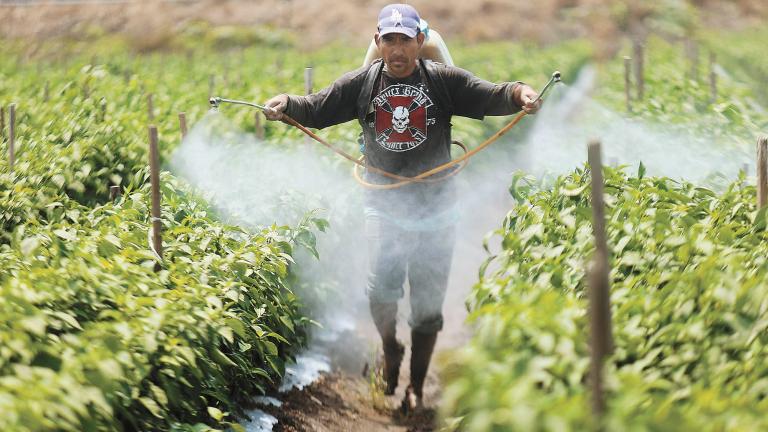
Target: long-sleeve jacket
(406, 122)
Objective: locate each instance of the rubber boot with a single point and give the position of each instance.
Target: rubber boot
(422, 346)
(385, 317)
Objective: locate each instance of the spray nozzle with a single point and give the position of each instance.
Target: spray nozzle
(555, 78)
(216, 101)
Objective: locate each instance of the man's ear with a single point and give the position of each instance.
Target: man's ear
(420, 39)
(377, 39)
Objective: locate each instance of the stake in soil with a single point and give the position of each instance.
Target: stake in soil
(601, 339)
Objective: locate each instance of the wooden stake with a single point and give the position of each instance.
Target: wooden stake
(2, 125)
(692, 53)
(183, 124)
(259, 126)
(762, 172)
(103, 106)
(712, 78)
(154, 174)
(11, 135)
(114, 192)
(150, 108)
(628, 82)
(639, 69)
(211, 85)
(46, 91)
(695, 61)
(601, 339)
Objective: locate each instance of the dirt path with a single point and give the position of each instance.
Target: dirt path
(350, 399)
(347, 398)
(339, 402)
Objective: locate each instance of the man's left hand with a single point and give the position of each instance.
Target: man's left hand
(525, 97)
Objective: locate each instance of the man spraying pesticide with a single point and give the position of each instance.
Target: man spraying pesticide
(404, 104)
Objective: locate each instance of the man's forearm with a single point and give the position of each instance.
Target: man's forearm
(301, 110)
(505, 99)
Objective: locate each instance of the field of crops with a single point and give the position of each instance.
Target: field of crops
(99, 332)
(93, 337)
(688, 284)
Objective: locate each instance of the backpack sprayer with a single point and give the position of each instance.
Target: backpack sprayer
(426, 176)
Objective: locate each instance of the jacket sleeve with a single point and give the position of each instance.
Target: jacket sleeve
(476, 98)
(330, 106)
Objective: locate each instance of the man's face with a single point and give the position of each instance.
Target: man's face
(399, 52)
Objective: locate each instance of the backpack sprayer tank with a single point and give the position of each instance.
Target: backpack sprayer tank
(434, 47)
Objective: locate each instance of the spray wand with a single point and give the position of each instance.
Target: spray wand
(216, 102)
(461, 162)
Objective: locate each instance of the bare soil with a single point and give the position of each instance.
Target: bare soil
(350, 398)
(151, 24)
(340, 402)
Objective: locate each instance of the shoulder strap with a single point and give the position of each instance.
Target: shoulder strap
(437, 84)
(364, 99)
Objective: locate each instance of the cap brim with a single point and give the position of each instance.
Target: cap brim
(402, 30)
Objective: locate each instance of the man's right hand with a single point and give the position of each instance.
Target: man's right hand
(276, 107)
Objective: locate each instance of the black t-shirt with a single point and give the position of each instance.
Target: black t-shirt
(407, 128)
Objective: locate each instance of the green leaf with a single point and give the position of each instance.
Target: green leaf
(159, 395)
(226, 333)
(215, 413)
(222, 359)
(66, 234)
(152, 407)
(35, 324)
(29, 244)
(237, 326)
(271, 347)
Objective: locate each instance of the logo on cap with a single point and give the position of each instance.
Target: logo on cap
(397, 18)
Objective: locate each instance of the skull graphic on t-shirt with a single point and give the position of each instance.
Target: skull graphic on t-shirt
(401, 117)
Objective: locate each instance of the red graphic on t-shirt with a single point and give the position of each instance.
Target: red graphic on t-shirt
(401, 117)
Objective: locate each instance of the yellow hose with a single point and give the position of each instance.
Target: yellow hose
(402, 180)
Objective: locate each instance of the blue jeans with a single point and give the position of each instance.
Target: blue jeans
(423, 256)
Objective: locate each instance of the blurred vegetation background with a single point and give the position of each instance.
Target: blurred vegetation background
(152, 25)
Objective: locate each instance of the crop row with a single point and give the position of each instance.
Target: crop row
(92, 337)
(688, 297)
(688, 285)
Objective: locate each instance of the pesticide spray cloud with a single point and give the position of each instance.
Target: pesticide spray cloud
(256, 183)
(557, 142)
(259, 183)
